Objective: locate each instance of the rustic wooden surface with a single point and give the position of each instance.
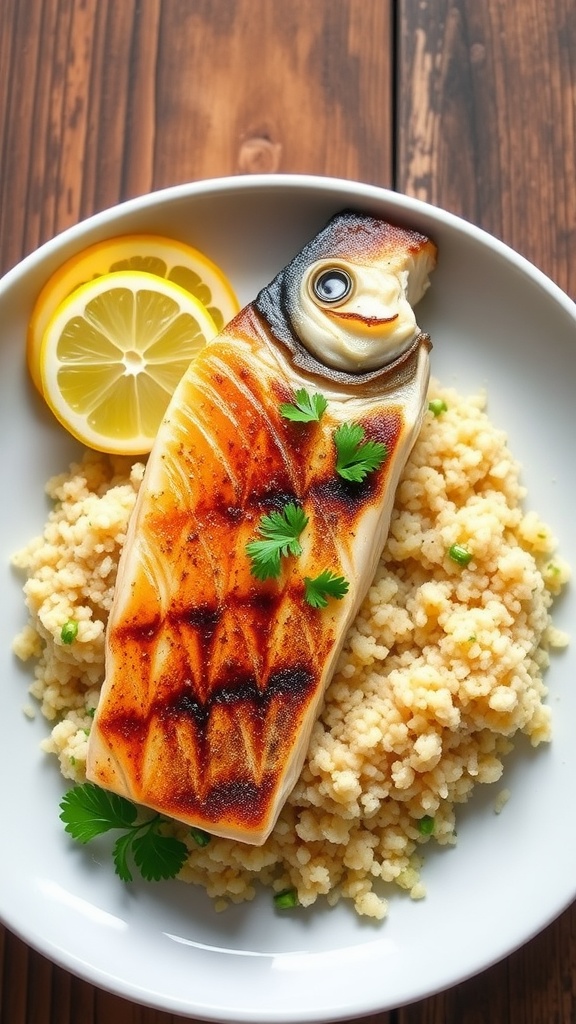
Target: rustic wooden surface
(468, 105)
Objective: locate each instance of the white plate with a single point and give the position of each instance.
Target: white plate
(496, 322)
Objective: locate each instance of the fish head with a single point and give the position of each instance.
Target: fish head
(348, 296)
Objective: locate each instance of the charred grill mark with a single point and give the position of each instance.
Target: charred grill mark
(243, 797)
(290, 681)
(294, 682)
(332, 494)
(186, 705)
(342, 496)
(203, 618)
(260, 604)
(273, 499)
(131, 728)
(241, 800)
(263, 602)
(141, 632)
(233, 513)
(384, 427)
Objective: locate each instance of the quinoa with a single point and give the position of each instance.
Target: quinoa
(442, 668)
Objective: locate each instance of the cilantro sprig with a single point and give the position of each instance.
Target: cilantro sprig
(327, 584)
(356, 457)
(306, 409)
(88, 811)
(280, 532)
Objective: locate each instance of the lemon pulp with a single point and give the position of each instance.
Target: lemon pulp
(113, 354)
(154, 254)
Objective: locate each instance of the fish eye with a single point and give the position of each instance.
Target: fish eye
(332, 285)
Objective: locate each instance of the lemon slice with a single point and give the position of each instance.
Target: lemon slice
(113, 354)
(152, 254)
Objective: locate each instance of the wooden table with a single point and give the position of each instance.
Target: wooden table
(469, 104)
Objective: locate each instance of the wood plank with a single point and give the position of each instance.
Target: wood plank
(306, 57)
(541, 977)
(104, 101)
(40, 989)
(13, 995)
(535, 985)
(472, 138)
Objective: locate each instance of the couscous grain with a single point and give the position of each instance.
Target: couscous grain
(443, 666)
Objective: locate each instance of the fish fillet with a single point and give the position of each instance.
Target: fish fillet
(214, 677)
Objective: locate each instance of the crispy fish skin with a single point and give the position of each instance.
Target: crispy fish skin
(214, 678)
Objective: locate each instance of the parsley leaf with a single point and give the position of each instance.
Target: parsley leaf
(306, 409)
(326, 584)
(158, 856)
(281, 532)
(89, 811)
(355, 456)
(120, 853)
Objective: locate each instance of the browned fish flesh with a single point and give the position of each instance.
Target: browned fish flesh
(216, 670)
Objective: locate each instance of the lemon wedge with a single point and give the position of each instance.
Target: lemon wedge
(153, 254)
(112, 356)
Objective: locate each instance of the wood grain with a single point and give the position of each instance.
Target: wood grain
(102, 101)
(486, 115)
(468, 105)
(487, 130)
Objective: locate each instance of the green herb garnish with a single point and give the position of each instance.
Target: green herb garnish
(286, 899)
(355, 456)
(459, 554)
(306, 409)
(280, 531)
(426, 825)
(200, 837)
(69, 631)
(88, 811)
(437, 405)
(326, 584)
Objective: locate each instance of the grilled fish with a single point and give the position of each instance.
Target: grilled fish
(215, 670)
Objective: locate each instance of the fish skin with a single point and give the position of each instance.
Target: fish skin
(214, 678)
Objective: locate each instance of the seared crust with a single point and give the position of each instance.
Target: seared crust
(213, 677)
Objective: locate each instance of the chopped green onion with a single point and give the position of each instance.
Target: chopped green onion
(426, 825)
(200, 837)
(459, 554)
(437, 405)
(69, 631)
(286, 899)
